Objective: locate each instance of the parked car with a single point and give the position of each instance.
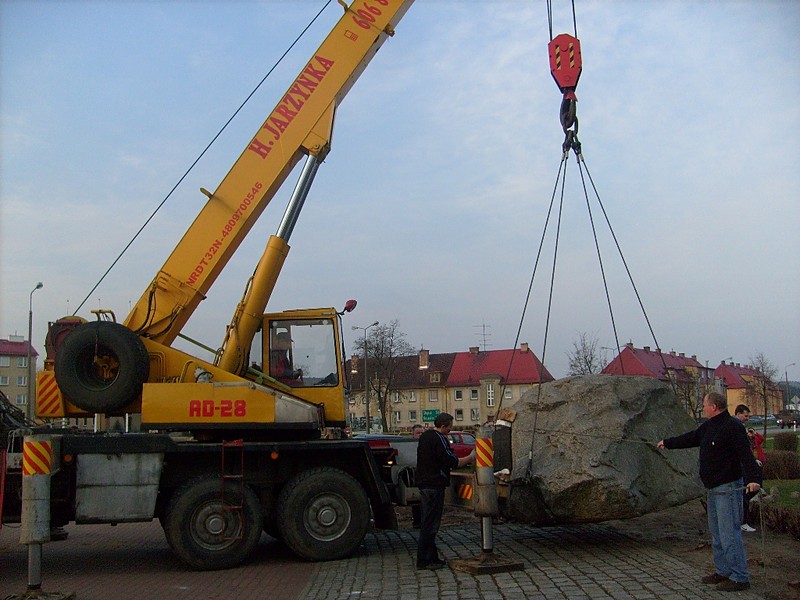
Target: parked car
(462, 442)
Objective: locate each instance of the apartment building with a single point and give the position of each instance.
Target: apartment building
(690, 379)
(14, 369)
(471, 386)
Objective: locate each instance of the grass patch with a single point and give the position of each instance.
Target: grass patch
(781, 512)
(785, 489)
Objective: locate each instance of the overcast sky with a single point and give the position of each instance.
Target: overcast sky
(430, 206)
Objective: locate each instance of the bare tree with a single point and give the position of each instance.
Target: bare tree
(762, 387)
(586, 358)
(385, 343)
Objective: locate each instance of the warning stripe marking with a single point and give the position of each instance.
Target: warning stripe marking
(48, 399)
(37, 458)
(465, 492)
(484, 452)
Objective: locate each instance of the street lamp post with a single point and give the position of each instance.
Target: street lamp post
(366, 379)
(786, 376)
(31, 399)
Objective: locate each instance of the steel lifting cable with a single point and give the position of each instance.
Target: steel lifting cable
(581, 165)
(206, 149)
(566, 67)
(560, 178)
(530, 284)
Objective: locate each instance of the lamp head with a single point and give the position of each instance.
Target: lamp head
(39, 286)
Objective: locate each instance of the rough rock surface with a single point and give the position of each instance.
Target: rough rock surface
(594, 457)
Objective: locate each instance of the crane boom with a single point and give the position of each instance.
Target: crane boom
(301, 123)
(111, 368)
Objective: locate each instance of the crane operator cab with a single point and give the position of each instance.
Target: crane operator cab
(303, 352)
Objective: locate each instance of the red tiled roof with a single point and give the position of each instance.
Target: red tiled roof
(732, 375)
(650, 363)
(469, 367)
(409, 375)
(9, 348)
(460, 368)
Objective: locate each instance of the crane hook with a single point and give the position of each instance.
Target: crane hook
(566, 66)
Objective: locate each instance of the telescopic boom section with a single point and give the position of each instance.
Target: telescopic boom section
(300, 124)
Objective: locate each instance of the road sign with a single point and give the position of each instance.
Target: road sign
(429, 416)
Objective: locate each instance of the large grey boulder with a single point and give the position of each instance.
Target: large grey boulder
(585, 451)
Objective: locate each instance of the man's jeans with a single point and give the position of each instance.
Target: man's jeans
(430, 518)
(725, 524)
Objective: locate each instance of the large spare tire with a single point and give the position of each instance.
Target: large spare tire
(101, 366)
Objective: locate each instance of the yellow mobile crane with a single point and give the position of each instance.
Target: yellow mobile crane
(103, 367)
(252, 458)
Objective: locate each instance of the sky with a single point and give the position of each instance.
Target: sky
(431, 205)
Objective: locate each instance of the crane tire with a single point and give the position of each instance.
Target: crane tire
(323, 514)
(100, 366)
(206, 530)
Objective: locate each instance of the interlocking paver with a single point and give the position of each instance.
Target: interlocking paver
(590, 561)
(560, 563)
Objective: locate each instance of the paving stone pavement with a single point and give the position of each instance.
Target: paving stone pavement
(133, 561)
(563, 563)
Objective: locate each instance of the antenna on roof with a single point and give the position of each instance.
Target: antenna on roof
(484, 335)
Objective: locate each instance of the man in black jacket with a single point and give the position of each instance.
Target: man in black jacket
(435, 460)
(724, 454)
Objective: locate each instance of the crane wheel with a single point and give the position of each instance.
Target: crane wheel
(211, 529)
(100, 366)
(323, 514)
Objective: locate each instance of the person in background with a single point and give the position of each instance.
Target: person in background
(756, 439)
(416, 431)
(724, 455)
(435, 460)
(280, 360)
(742, 412)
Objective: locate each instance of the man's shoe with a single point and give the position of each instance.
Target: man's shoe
(432, 565)
(747, 528)
(730, 585)
(714, 578)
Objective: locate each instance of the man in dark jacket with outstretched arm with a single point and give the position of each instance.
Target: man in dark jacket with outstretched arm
(435, 460)
(725, 463)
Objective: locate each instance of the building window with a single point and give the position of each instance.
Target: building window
(436, 377)
(412, 396)
(412, 415)
(507, 393)
(433, 395)
(475, 414)
(396, 416)
(459, 414)
(22, 399)
(473, 394)
(489, 394)
(5, 361)
(3, 379)
(396, 397)
(459, 395)
(22, 361)
(22, 380)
